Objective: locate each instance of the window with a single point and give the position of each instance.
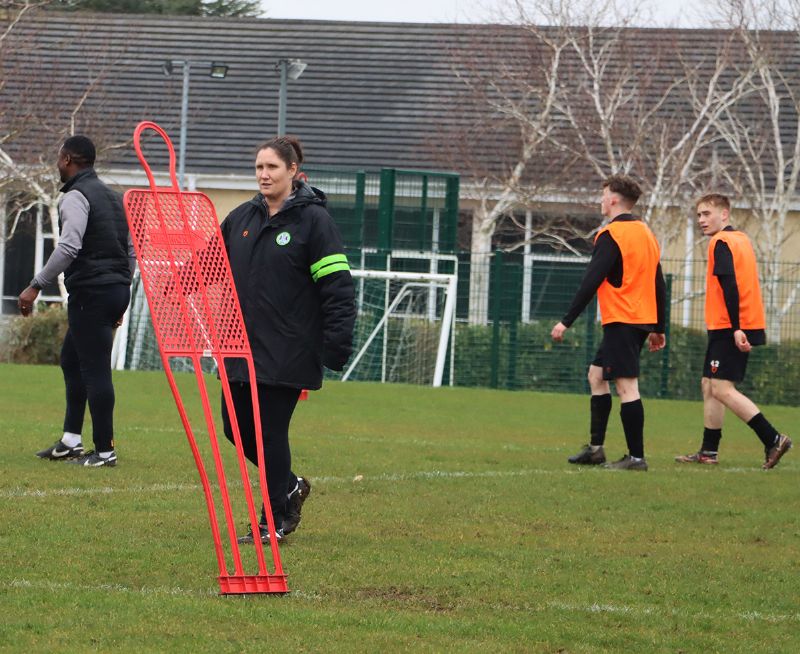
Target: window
(26, 242)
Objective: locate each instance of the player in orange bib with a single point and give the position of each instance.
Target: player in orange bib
(625, 272)
(735, 322)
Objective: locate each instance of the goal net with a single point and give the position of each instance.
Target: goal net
(405, 328)
(404, 333)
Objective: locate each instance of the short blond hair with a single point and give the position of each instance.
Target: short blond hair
(715, 200)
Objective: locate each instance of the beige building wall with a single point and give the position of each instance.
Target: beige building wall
(226, 201)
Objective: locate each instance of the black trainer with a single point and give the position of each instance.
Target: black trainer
(294, 504)
(587, 457)
(248, 539)
(627, 462)
(59, 451)
(93, 460)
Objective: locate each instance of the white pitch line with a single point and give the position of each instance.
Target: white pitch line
(361, 439)
(156, 488)
(750, 616)
(133, 590)
(97, 490)
(110, 588)
(14, 493)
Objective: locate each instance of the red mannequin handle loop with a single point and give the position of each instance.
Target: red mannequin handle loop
(137, 133)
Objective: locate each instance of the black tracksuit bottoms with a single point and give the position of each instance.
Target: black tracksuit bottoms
(86, 359)
(276, 405)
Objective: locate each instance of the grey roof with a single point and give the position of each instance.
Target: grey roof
(374, 94)
(370, 96)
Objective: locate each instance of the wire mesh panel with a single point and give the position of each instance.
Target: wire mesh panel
(511, 347)
(193, 298)
(195, 313)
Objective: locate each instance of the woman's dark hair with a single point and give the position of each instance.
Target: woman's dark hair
(288, 148)
(81, 149)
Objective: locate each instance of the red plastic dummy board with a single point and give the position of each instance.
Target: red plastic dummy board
(195, 312)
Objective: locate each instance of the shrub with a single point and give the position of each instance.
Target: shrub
(37, 338)
(522, 356)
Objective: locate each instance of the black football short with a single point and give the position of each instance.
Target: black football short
(619, 351)
(724, 360)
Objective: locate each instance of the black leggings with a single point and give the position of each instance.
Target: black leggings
(86, 359)
(276, 405)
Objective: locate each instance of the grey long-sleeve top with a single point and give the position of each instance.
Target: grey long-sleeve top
(73, 208)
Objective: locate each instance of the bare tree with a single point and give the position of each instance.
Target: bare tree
(759, 159)
(586, 98)
(580, 104)
(39, 109)
(622, 116)
(508, 110)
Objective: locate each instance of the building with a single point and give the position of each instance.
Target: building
(408, 96)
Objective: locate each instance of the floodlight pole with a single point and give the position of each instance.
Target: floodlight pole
(187, 66)
(216, 70)
(283, 64)
(287, 69)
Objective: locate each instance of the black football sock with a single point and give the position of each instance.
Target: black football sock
(600, 410)
(763, 429)
(632, 414)
(711, 439)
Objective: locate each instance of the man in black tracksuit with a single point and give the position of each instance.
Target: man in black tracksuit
(96, 256)
(298, 303)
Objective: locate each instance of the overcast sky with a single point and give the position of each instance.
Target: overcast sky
(663, 13)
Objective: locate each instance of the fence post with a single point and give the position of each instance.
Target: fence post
(511, 384)
(386, 208)
(423, 218)
(591, 315)
(495, 286)
(448, 238)
(665, 356)
(511, 303)
(359, 208)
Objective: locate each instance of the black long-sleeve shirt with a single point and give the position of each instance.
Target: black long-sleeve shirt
(725, 272)
(606, 263)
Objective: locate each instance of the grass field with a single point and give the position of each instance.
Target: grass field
(467, 532)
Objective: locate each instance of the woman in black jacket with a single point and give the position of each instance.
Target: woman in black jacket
(298, 302)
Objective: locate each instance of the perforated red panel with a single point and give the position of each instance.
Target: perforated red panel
(186, 272)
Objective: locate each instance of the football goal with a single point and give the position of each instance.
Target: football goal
(405, 330)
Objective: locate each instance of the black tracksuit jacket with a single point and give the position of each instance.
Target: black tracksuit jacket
(295, 289)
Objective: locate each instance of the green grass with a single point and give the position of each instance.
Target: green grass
(468, 531)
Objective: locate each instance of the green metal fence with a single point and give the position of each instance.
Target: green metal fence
(512, 349)
(406, 220)
(393, 209)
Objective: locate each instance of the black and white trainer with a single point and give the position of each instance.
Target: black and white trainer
(59, 451)
(248, 539)
(294, 504)
(93, 460)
